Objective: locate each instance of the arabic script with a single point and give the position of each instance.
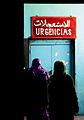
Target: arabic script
(44, 23)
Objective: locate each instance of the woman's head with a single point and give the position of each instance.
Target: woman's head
(36, 62)
(59, 67)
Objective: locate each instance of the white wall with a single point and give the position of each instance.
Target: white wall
(63, 10)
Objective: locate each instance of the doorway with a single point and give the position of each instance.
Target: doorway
(50, 51)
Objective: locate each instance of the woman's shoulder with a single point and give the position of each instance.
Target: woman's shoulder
(69, 79)
(68, 76)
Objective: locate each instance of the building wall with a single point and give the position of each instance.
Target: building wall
(63, 10)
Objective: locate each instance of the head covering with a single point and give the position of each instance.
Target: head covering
(36, 62)
(59, 67)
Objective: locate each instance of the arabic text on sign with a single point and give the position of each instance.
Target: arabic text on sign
(44, 23)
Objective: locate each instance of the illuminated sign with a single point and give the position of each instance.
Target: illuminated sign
(53, 27)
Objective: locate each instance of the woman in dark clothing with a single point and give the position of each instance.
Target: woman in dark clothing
(63, 102)
(38, 100)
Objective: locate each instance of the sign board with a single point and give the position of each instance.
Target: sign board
(53, 27)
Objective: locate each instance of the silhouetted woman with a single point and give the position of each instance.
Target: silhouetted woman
(63, 102)
(38, 100)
